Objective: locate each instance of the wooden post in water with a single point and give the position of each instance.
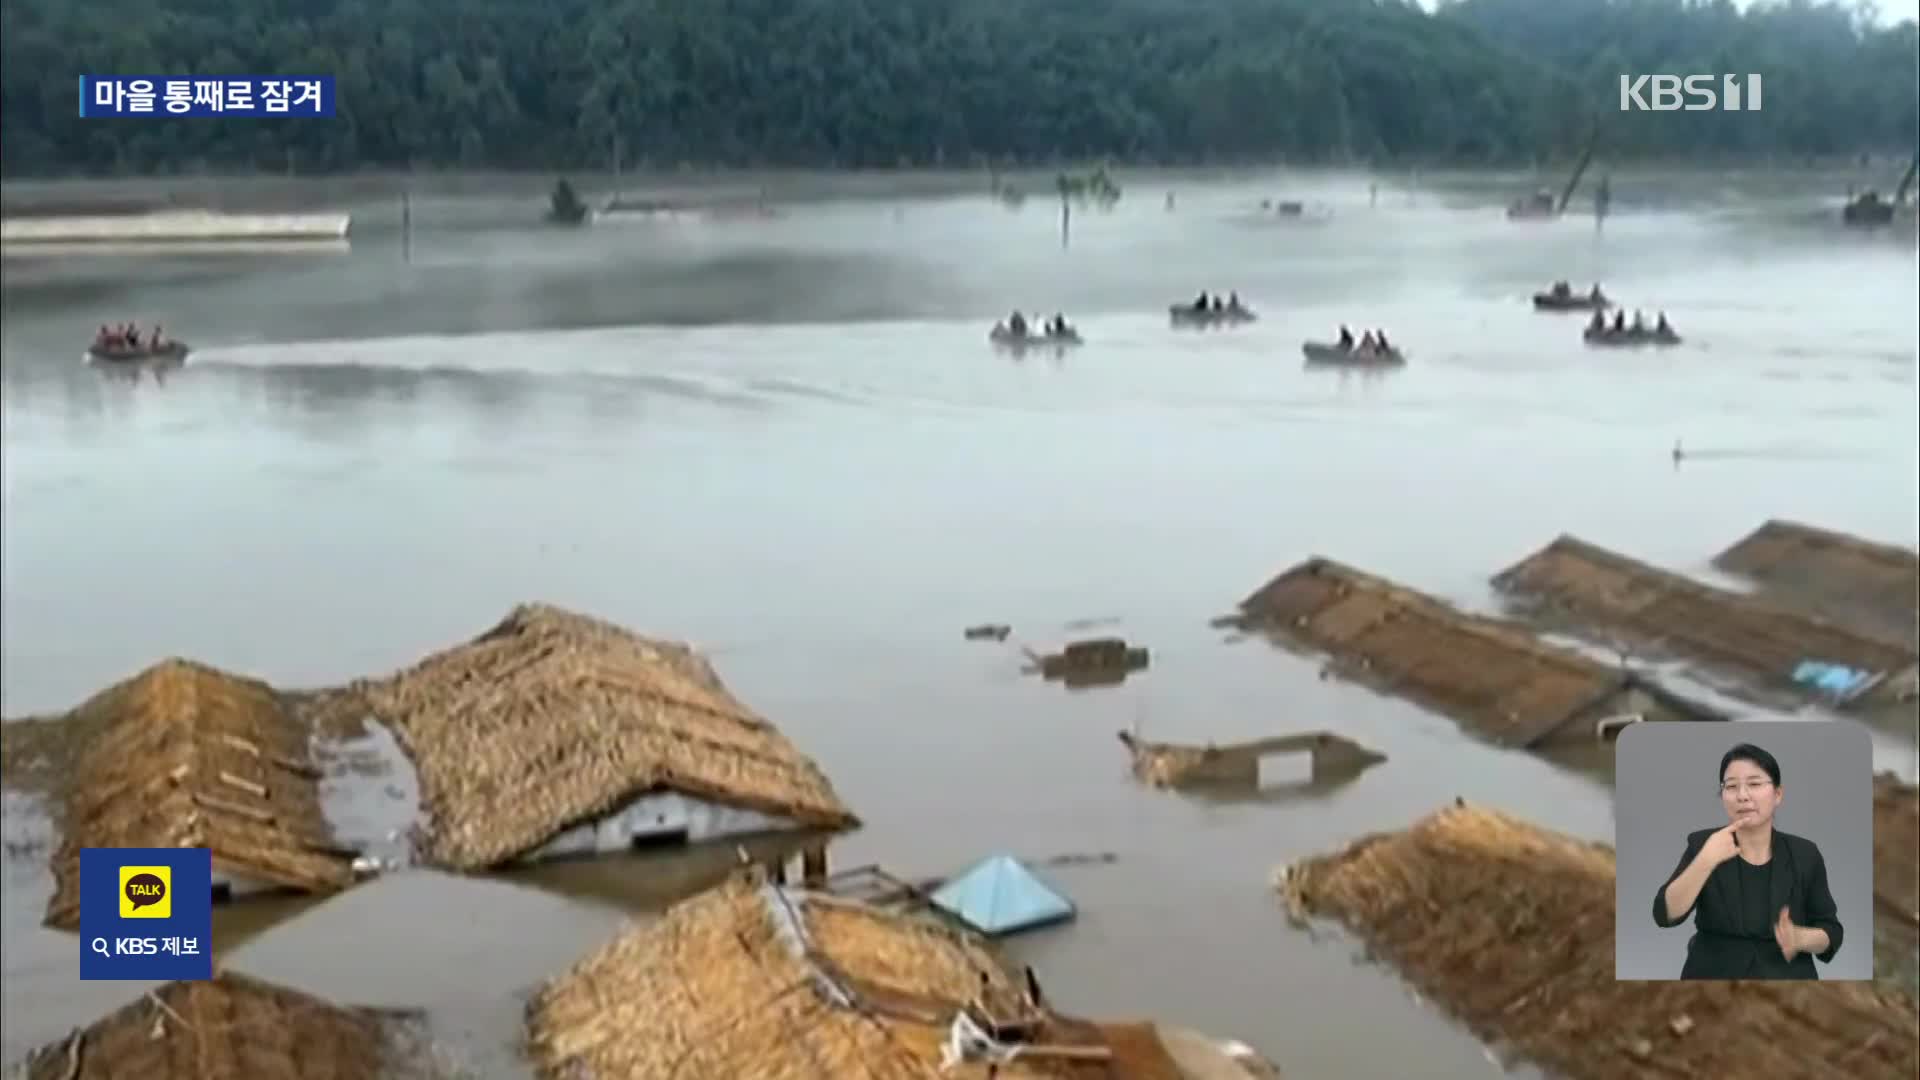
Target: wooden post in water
(813, 866)
(406, 226)
(1066, 220)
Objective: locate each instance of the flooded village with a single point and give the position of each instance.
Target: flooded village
(995, 542)
(555, 735)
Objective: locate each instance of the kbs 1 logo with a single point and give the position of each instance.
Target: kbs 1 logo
(1663, 93)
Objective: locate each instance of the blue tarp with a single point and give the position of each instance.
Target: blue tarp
(1001, 896)
(1834, 679)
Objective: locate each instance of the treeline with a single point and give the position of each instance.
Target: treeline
(556, 85)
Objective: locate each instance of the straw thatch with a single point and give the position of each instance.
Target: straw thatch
(1489, 674)
(1574, 582)
(551, 719)
(1896, 852)
(184, 755)
(234, 1028)
(1842, 577)
(1510, 928)
(755, 980)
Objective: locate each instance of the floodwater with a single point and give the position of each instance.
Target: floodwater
(787, 441)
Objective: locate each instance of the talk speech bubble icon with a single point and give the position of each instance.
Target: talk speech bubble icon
(144, 889)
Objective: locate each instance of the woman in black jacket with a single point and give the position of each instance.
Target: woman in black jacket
(1761, 897)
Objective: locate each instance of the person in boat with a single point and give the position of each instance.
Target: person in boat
(1380, 341)
(1662, 327)
(1201, 304)
(1233, 302)
(1017, 324)
(1599, 323)
(1346, 338)
(1367, 343)
(158, 337)
(1596, 295)
(1219, 305)
(1620, 322)
(1562, 289)
(1639, 323)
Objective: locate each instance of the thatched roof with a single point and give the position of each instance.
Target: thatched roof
(1583, 584)
(1838, 575)
(233, 1028)
(551, 719)
(1489, 674)
(1896, 852)
(1510, 928)
(184, 755)
(756, 980)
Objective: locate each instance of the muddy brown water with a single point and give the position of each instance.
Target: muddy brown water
(789, 443)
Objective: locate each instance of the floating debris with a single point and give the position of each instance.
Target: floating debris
(988, 632)
(1094, 662)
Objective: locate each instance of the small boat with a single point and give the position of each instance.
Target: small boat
(1629, 337)
(1332, 352)
(1226, 315)
(1550, 300)
(1010, 339)
(170, 352)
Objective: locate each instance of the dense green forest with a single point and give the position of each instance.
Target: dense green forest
(551, 85)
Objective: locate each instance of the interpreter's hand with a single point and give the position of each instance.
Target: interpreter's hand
(1720, 846)
(1786, 935)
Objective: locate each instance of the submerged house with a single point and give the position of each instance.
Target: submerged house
(754, 979)
(1492, 676)
(184, 755)
(1510, 929)
(232, 1026)
(1241, 765)
(1584, 588)
(557, 734)
(1850, 580)
(999, 895)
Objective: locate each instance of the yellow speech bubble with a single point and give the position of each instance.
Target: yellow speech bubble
(146, 892)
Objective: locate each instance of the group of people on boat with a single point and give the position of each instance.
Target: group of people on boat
(1563, 290)
(1598, 326)
(1056, 327)
(1207, 303)
(1373, 341)
(126, 337)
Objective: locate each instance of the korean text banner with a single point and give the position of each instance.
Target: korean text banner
(206, 95)
(146, 913)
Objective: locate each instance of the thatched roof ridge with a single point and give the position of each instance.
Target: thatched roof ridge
(553, 718)
(752, 979)
(1779, 540)
(1836, 575)
(1896, 852)
(1510, 928)
(231, 1026)
(186, 755)
(1491, 674)
(1589, 585)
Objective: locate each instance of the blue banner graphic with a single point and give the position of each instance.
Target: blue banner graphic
(146, 913)
(206, 95)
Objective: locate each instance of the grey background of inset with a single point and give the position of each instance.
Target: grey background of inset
(1665, 787)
